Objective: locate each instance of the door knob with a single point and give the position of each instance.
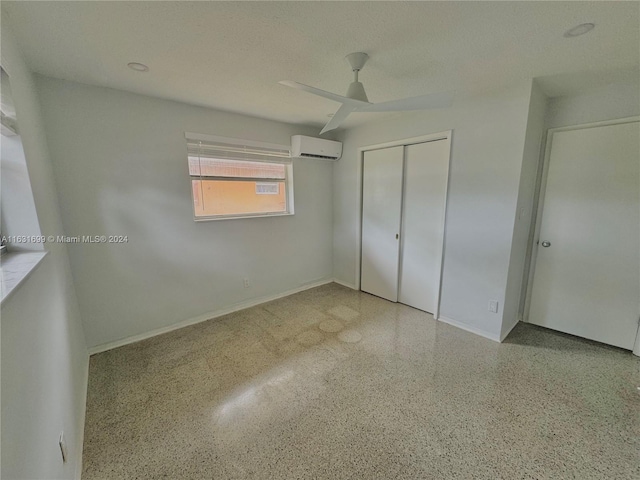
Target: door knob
(546, 244)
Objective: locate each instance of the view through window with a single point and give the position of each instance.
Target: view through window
(240, 186)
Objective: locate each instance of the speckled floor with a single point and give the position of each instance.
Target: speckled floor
(336, 384)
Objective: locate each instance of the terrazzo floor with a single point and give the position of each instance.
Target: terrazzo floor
(332, 383)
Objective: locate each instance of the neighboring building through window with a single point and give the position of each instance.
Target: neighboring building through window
(267, 188)
(236, 178)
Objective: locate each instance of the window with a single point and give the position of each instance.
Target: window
(232, 178)
(19, 226)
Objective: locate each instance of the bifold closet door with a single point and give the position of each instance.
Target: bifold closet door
(426, 171)
(381, 211)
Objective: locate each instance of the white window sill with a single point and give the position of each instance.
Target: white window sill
(15, 267)
(237, 217)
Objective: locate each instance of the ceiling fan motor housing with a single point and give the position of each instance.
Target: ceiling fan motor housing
(356, 91)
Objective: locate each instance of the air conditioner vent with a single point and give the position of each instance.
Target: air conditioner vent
(312, 155)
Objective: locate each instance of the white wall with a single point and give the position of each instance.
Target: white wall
(619, 100)
(487, 152)
(520, 243)
(120, 165)
(44, 358)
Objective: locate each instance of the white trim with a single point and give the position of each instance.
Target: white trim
(359, 206)
(237, 217)
(345, 284)
(432, 137)
(468, 328)
(204, 317)
(288, 184)
(234, 141)
(602, 123)
(36, 255)
(401, 227)
(539, 208)
(444, 223)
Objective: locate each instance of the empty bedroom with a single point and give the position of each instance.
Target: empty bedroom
(320, 240)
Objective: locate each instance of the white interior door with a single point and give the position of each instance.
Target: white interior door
(587, 277)
(426, 173)
(381, 207)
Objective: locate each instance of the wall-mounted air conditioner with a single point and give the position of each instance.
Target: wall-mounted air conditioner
(311, 147)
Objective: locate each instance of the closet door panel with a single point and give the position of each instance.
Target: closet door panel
(426, 176)
(381, 211)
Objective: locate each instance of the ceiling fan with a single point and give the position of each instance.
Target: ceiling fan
(357, 101)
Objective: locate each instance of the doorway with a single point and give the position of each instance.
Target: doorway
(586, 259)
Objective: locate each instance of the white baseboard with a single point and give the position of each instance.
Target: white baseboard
(204, 317)
(345, 284)
(464, 326)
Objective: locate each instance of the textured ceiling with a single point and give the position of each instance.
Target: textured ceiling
(230, 55)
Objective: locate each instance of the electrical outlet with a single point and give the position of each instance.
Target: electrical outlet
(493, 306)
(63, 447)
(246, 282)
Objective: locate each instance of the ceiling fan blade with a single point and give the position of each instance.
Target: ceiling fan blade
(322, 93)
(342, 113)
(433, 100)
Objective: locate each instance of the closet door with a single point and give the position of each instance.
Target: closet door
(381, 210)
(426, 175)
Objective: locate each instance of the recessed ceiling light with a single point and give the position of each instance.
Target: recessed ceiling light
(138, 67)
(579, 30)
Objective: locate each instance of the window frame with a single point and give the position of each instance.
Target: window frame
(288, 177)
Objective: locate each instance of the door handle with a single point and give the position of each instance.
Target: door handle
(397, 236)
(546, 244)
